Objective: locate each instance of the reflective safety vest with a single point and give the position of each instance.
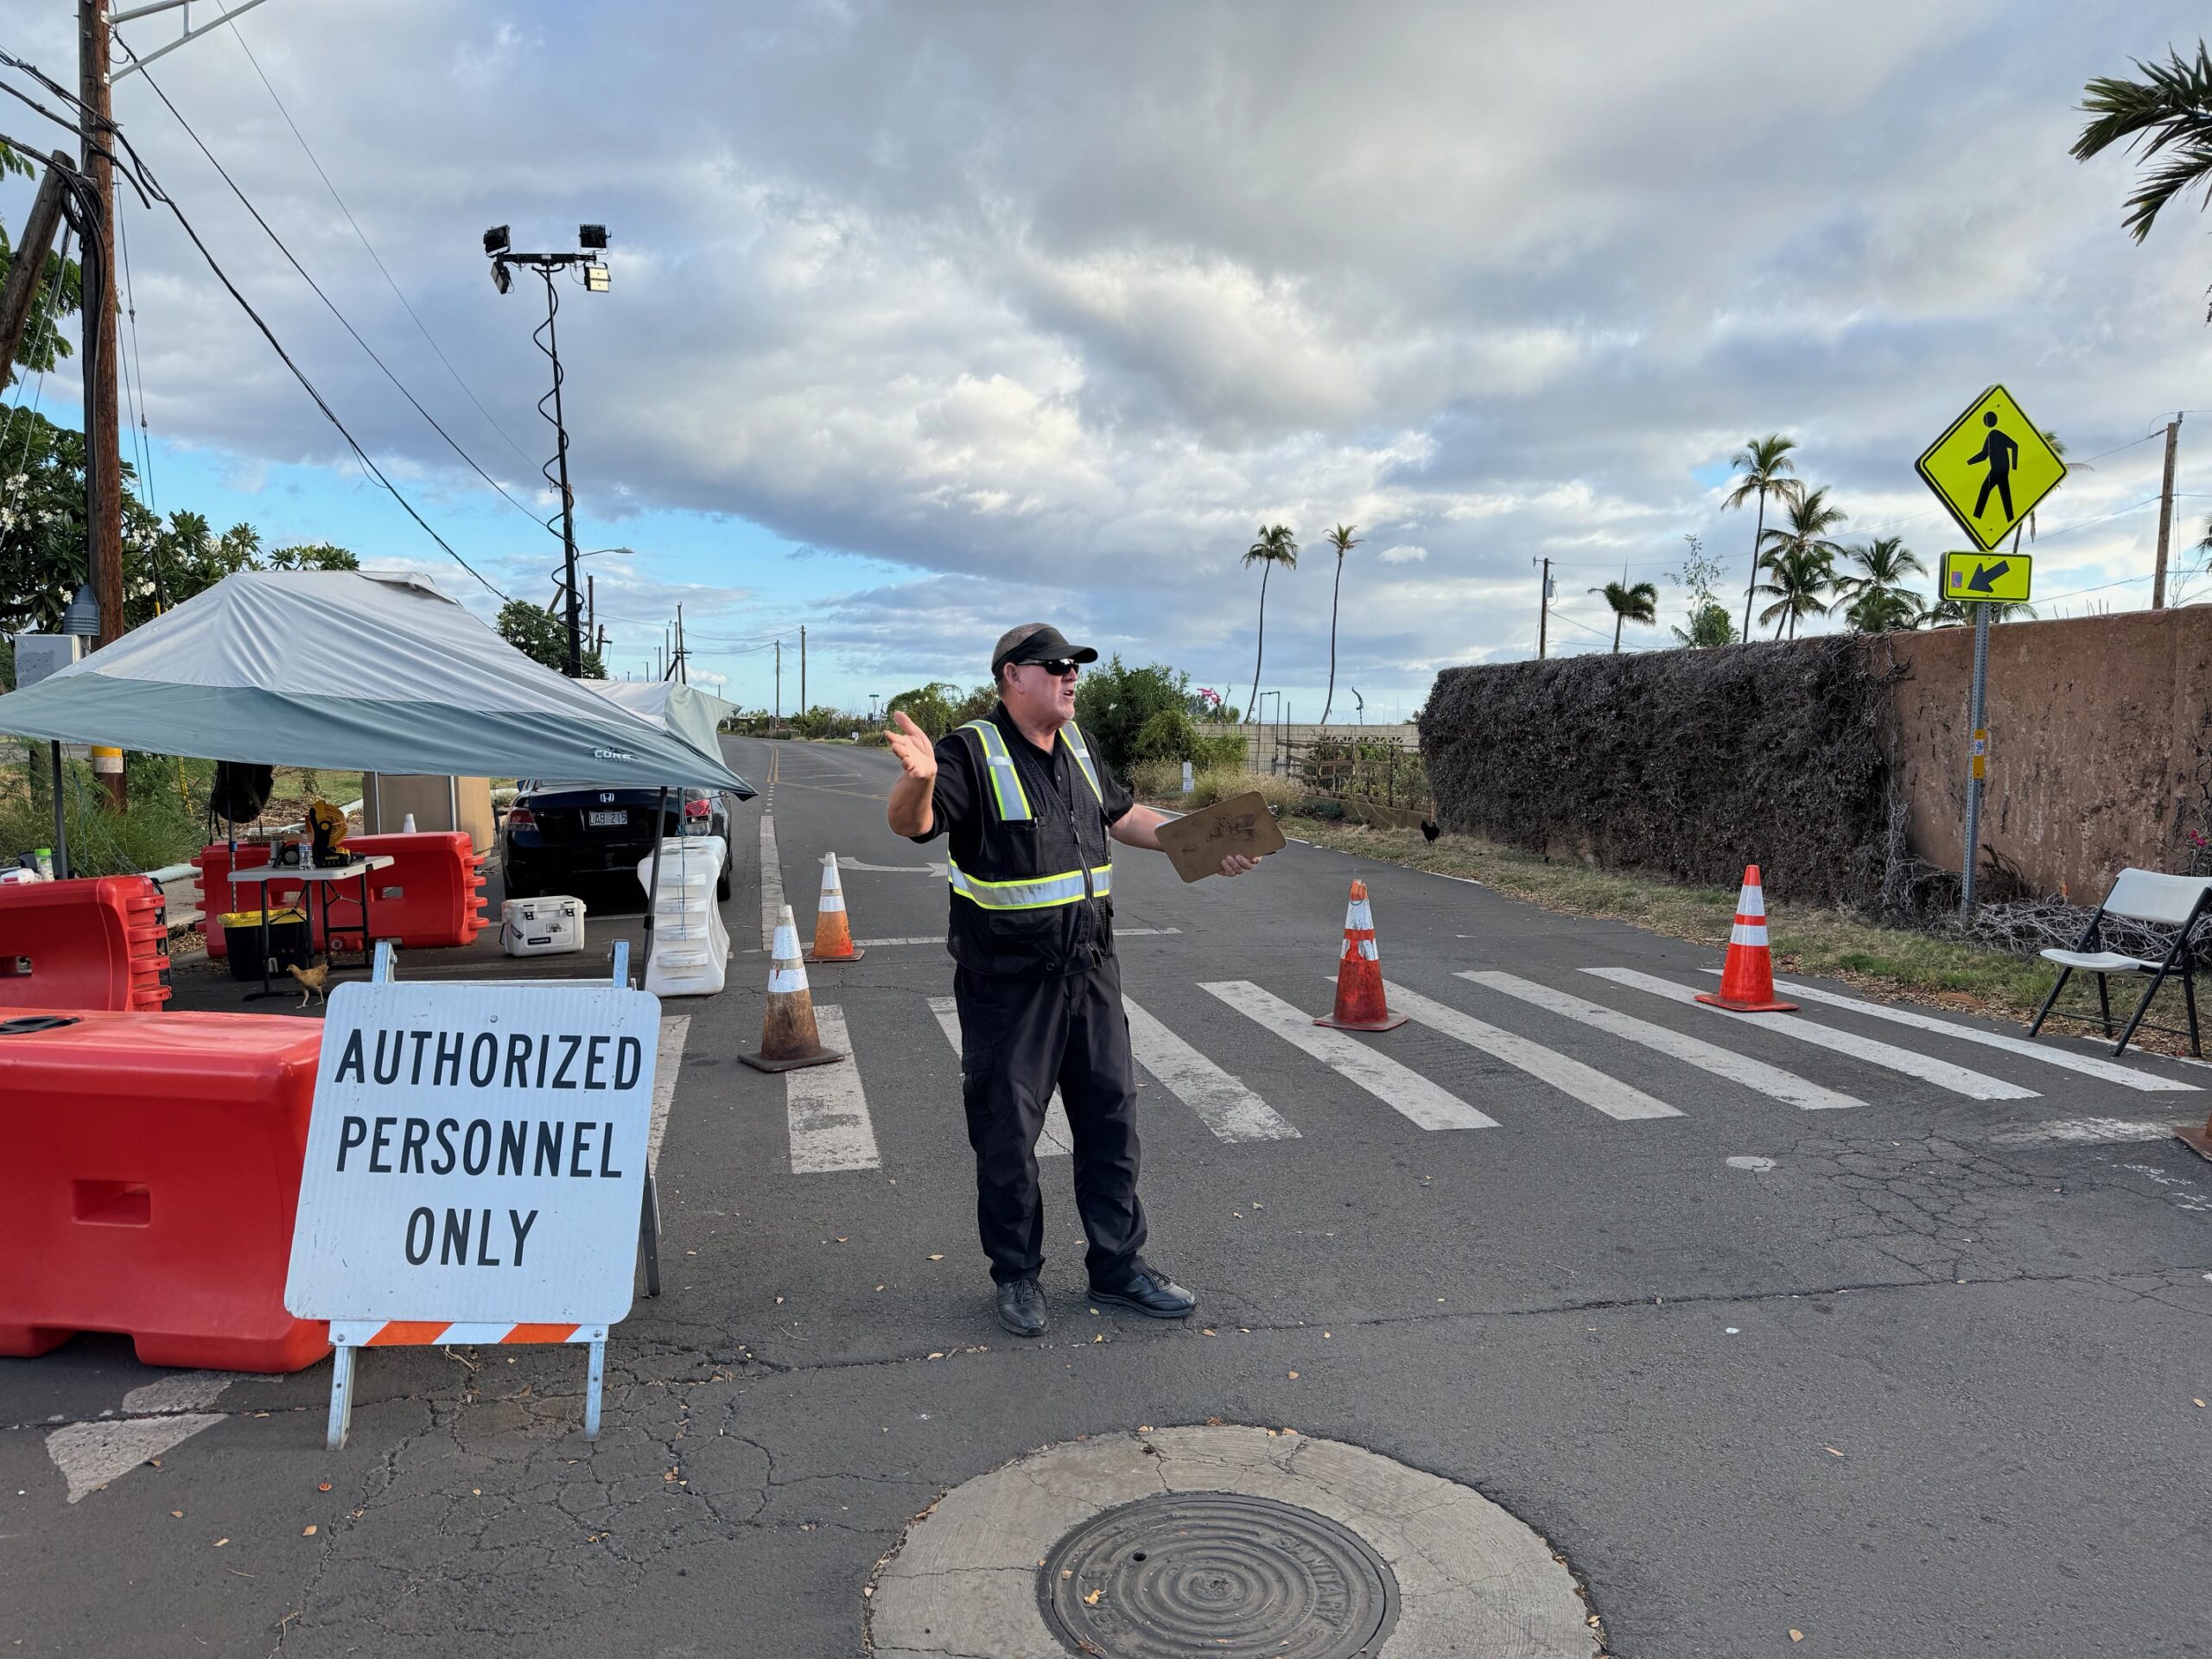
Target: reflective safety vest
(1010, 803)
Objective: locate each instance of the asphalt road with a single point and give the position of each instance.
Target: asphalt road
(1915, 1375)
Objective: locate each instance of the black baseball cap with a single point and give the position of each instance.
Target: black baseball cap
(1036, 642)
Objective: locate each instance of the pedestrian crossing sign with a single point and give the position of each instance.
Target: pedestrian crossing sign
(1990, 468)
(2002, 578)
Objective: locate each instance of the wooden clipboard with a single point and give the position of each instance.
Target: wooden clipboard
(1197, 842)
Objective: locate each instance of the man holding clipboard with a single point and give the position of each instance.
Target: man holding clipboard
(1029, 811)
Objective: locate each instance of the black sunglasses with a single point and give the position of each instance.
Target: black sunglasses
(1060, 668)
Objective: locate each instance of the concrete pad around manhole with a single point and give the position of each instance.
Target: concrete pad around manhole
(1450, 1572)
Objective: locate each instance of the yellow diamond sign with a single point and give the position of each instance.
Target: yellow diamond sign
(1991, 468)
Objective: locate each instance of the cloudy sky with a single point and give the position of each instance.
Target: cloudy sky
(930, 318)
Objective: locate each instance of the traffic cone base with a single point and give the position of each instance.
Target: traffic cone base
(833, 934)
(1747, 976)
(1360, 1004)
(788, 1036)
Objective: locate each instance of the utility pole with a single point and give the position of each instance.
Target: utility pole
(30, 263)
(2165, 517)
(1543, 607)
(803, 704)
(778, 719)
(103, 413)
(591, 611)
(683, 655)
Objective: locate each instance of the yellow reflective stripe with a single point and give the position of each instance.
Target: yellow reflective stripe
(999, 764)
(1039, 893)
(1073, 737)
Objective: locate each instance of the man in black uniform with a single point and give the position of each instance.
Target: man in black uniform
(1029, 811)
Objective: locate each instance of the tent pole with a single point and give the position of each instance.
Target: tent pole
(652, 889)
(60, 821)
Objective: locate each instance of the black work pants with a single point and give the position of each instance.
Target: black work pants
(1019, 1037)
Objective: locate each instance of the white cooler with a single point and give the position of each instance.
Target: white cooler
(541, 927)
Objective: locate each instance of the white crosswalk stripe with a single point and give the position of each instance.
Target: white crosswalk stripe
(1404, 1090)
(2087, 1065)
(1756, 1075)
(1229, 1108)
(1974, 1085)
(1054, 1141)
(1592, 1088)
(827, 1107)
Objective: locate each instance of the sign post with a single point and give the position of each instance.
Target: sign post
(1992, 468)
(475, 1168)
(1975, 580)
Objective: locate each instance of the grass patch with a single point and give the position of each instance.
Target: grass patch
(1807, 939)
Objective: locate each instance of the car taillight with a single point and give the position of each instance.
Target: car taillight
(521, 817)
(698, 808)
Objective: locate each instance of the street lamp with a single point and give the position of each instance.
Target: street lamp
(592, 240)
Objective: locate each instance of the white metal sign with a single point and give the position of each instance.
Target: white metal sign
(476, 1154)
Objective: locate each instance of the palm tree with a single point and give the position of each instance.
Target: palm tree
(1949, 613)
(1763, 467)
(1275, 547)
(1344, 541)
(2166, 115)
(1879, 600)
(1803, 558)
(1636, 604)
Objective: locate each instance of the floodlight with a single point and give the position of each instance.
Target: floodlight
(495, 240)
(591, 236)
(500, 279)
(595, 279)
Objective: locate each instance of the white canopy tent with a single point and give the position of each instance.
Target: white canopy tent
(679, 710)
(329, 669)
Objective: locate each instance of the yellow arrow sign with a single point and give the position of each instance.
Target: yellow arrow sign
(2003, 577)
(1990, 468)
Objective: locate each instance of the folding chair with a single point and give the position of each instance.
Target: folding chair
(2180, 902)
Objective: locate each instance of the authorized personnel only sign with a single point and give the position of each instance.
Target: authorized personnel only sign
(477, 1153)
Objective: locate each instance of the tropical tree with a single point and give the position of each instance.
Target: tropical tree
(1949, 613)
(1344, 541)
(2166, 116)
(1801, 556)
(60, 292)
(1762, 468)
(1273, 547)
(1877, 601)
(542, 636)
(1710, 623)
(1639, 604)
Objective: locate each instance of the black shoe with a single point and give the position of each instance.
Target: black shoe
(1150, 1292)
(1021, 1307)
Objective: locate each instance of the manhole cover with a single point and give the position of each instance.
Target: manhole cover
(1216, 1572)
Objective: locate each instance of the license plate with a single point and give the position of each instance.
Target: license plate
(612, 819)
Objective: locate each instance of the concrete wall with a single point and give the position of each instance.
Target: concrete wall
(2101, 740)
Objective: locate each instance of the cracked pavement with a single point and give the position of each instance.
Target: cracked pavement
(1912, 1389)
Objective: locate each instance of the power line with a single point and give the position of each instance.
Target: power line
(137, 367)
(329, 303)
(238, 34)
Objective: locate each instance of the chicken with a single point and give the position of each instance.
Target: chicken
(1428, 828)
(312, 980)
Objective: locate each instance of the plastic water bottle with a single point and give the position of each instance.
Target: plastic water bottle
(407, 825)
(45, 855)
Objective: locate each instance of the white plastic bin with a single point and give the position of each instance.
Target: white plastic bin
(549, 927)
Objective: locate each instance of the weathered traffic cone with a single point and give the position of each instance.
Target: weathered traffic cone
(1360, 1006)
(788, 1038)
(833, 936)
(1747, 977)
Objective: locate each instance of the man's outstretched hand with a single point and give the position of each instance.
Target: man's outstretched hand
(912, 745)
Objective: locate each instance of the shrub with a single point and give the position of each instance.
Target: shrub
(1116, 703)
(1168, 735)
(1222, 783)
(1157, 780)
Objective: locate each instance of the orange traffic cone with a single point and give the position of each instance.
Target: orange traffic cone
(833, 938)
(1360, 1006)
(1747, 977)
(788, 1038)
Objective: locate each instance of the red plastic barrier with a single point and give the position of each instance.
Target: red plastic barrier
(431, 895)
(152, 1172)
(97, 943)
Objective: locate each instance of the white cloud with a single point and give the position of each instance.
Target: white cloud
(1046, 309)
